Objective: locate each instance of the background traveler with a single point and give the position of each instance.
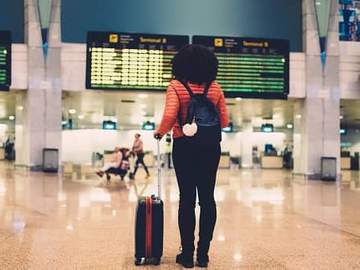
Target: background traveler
(138, 149)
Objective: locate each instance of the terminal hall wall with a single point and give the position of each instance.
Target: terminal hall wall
(251, 18)
(349, 70)
(352, 137)
(12, 18)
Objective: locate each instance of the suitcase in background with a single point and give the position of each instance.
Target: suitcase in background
(149, 225)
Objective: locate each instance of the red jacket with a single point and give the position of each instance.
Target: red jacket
(173, 100)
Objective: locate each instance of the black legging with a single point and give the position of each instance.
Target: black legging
(196, 168)
(140, 160)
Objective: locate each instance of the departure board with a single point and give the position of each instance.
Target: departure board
(5, 60)
(250, 67)
(130, 61)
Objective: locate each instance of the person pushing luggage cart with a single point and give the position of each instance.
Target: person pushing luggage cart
(138, 149)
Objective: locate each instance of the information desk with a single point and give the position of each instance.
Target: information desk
(271, 162)
(5, 60)
(149, 159)
(2, 153)
(346, 163)
(130, 61)
(250, 67)
(224, 160)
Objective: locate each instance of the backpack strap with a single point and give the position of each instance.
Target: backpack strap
(191, 93)
(187, 87)
(206, 89)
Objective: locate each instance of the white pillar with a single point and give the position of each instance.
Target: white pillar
(53, 135)
(316, 119)
(38, 125)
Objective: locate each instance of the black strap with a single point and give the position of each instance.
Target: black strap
(187, 87)
(207, 87)
(191, 93)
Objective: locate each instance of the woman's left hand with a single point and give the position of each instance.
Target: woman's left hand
(157, 135)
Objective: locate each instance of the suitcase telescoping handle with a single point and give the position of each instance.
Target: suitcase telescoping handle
(158, 167)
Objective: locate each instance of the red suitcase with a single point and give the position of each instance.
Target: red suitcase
(149, 225)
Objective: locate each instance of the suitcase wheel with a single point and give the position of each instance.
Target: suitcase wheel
(156, 261)
(138, 261)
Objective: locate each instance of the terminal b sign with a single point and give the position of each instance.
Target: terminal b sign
(130, 61)
(5, 60)
(250, 67)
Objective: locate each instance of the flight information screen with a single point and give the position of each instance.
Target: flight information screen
(130, 61)
(250, 67)
(5, 60)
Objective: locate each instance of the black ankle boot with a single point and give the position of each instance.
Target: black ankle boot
(202, 260)
(185, 260)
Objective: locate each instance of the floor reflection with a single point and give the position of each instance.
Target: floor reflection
(266, 219)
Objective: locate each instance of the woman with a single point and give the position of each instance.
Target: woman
(195, 164)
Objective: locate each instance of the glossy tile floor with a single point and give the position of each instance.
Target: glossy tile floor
(267, 219)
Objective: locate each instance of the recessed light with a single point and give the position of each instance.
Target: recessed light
(341, 117)
(238, 99)
(20, 108)
(221, 238)
(12, 117)
(298, 116)
(72, 111)
(289, 126)
(237, 257)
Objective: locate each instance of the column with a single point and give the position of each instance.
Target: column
(316, 118)
(38, 124)
(53, 132)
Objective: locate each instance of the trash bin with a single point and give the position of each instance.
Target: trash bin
(328, 168)
(50, 160)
